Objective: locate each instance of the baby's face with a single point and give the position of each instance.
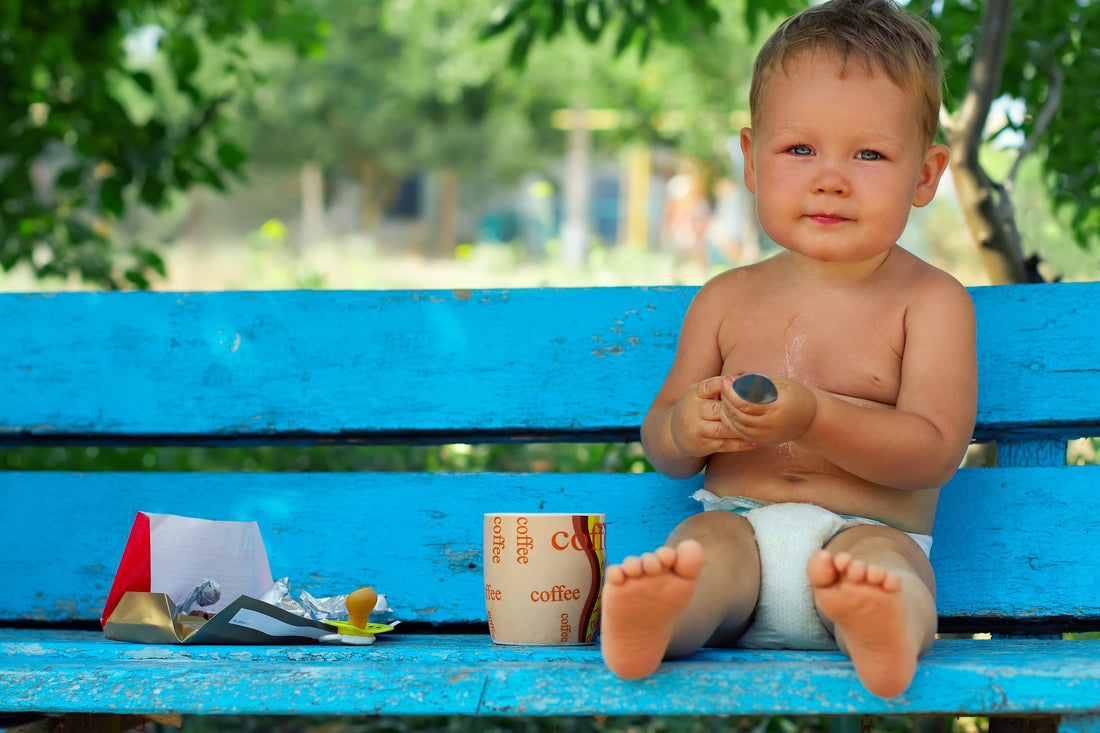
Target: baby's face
(836, 162)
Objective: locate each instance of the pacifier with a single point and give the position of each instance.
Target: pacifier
(357, 629)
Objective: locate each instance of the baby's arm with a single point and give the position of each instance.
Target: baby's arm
(917, 445)
(683, 425)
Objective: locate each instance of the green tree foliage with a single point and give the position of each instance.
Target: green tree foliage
(411, 87)
(110, 104)
(634, 24)
(1044, 55)
(531, 20)
(400, 88)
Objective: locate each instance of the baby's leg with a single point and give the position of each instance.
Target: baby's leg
(875, 590)
(701, 587)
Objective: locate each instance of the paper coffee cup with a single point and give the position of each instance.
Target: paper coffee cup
(543, 575)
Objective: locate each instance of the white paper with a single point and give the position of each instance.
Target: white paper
(184, 551)
(273, 626)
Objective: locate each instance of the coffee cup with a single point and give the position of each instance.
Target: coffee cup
(543, 576)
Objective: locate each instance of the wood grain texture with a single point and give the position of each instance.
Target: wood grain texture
(443, 366)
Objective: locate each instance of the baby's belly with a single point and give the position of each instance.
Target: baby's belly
(784, 474)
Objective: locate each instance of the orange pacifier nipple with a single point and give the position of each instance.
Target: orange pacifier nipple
(360, 603)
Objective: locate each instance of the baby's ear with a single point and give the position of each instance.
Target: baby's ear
(746, 152)
(935, 163)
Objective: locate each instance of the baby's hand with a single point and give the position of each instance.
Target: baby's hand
(697, 425)
(785, 419)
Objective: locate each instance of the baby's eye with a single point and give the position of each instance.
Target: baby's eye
(869, 155)
(800, 150)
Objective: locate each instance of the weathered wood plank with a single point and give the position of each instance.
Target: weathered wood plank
(1013, 453)
(417, 538)
(1037, 357)
(442, 366)
(236, 365)
(64, 671)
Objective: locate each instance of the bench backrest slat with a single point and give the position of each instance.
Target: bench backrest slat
(417, 537)
(442, 366)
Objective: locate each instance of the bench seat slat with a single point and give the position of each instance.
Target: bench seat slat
(442, 366)
(989, 523)
(446, 674)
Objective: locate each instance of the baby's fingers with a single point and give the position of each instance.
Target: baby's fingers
(720, 439)
(709, 389)
(734, 445)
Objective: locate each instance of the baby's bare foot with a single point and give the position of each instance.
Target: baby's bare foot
(641, 599)
(871, 617)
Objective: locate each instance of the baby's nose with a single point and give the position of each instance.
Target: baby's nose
(831, 182)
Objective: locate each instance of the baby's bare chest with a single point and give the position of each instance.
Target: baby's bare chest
(837, 346)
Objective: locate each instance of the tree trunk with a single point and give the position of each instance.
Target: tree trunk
(991, 219)
(634, 226)
(377, 189)
(447, 241)
(576, 188)
(986, 205)
(313, 204)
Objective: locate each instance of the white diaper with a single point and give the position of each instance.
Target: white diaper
(787, 535)
(786, 618)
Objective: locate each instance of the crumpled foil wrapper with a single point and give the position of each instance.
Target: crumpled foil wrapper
(206, 593)
(323, 609)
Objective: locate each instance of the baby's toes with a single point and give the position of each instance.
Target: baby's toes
(651, 564)
(841, 561)
(876, 575)
(856, 572)
(666, 555)
(632, 566)
(891, 583)
(821, 569)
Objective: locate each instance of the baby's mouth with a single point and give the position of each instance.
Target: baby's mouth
(827, 219)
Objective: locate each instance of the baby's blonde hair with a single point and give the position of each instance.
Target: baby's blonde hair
(880, 33)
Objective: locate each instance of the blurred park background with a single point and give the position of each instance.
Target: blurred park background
(251, 144)
(486, 143)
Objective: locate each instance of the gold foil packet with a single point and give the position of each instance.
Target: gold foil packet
(150, 618)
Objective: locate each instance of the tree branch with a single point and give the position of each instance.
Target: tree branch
(1046, 114)
(984, 83)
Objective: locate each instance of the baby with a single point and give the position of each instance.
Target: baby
(820, 502)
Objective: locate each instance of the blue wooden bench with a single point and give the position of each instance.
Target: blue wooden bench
(1017, 547)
